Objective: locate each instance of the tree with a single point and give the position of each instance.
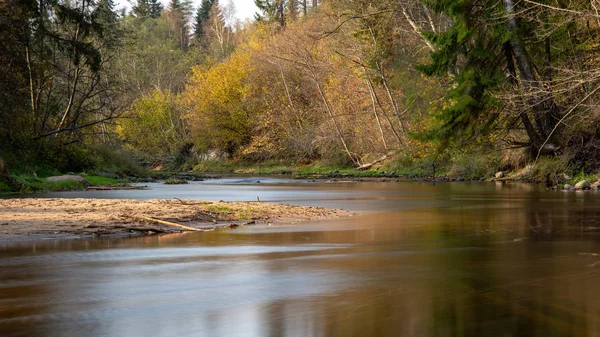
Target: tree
(179, 14)
(144, 9)
(154, 127)
(216, 98)
(273, 11)
(153, 59)
(202, 17)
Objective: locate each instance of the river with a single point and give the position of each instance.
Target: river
(450, 259)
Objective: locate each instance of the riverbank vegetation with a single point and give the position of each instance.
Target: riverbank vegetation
(457, 87)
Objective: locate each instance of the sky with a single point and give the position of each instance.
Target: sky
(245, 9)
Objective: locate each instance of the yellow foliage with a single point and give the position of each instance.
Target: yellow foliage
(216, 100)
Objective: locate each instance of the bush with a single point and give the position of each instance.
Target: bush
(175, 181)
(472, 165)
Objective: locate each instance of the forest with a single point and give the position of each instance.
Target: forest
(460, 87)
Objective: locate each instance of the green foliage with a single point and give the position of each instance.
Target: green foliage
(144, 9)
(272, 11)
(201, 19)
(469, 50)
(154, 127)
(4, 188)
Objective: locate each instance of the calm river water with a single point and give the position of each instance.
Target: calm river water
(451, 259)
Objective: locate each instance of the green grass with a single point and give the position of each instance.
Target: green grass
(175, 181)
(582, 176)
(282, 168)
(26, 183)
(219, 209)
(45, 186)
(4, 187)
(101, 181)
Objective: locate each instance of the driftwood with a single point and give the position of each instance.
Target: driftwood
(144, 229)
(369, 165)
(162, 222)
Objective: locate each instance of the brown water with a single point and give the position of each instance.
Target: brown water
(453, 259)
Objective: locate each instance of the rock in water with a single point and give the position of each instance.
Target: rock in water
(567, 187)
(499, 175)
(582, 185)
(78, 179)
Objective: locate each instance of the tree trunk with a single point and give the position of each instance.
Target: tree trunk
(385, 146)
(540, 100)
(378, 102)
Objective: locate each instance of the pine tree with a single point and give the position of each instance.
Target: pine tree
(202, 16)
(147, 9)
(155, 8)
(478, 50)
(178, 15)
(468, 51)
(272, 11)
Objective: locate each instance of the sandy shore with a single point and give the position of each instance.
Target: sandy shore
(31, 218)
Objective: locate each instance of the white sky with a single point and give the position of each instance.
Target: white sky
(245, 9)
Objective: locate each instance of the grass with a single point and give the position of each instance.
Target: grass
(282, 168)
(101, 181)
(246, 213)
(4, 188)
(27, 183)
(175, 181)
(218, 209)
(582, 176)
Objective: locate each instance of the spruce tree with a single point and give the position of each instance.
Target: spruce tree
(147, 9)
(202, 16)
(272, 11)
(469, 51)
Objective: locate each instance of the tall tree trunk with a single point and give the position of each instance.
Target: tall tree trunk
(378, 102)
(540, 101)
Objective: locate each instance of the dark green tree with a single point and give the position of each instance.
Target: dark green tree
(477, 51)
(273, 11)
(202, 16)
(147, 9)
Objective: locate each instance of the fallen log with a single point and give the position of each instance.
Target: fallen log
(369, 165)
(162, 222)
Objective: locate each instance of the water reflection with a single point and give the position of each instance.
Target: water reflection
(459, 260)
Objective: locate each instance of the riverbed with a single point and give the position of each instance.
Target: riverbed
(422, 259)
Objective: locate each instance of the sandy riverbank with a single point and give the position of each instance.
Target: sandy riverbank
(31, 218)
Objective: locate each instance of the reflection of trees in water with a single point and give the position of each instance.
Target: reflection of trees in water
(528, 280)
